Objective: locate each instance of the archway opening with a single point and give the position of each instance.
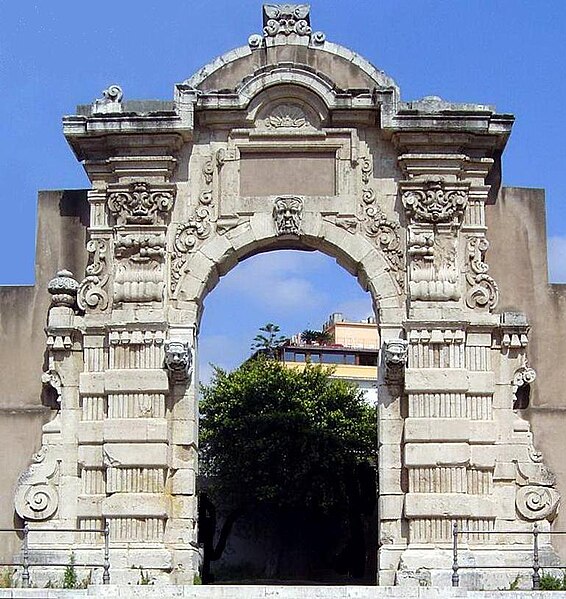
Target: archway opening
(300, 292)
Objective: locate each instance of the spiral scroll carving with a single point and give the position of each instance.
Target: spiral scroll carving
(537, 503)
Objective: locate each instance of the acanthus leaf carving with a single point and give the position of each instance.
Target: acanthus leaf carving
(483, 292)
(433, 201)
(140, 203)
(91, 294)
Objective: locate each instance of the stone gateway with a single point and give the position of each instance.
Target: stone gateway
(289, 142)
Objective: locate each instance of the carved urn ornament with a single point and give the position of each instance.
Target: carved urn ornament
(63, 289)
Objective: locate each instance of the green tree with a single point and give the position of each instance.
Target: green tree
(290, 442)
(322, 337)
(268, 339)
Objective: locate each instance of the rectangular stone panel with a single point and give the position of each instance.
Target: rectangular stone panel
(275, 173)
(419, 505)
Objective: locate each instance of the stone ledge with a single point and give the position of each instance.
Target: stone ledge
(280, 592)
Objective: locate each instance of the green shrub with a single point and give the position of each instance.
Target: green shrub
(549, 582)
(7, 578)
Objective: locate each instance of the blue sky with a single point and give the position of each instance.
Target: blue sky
(54, 55)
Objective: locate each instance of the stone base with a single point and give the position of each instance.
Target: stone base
(265, 592)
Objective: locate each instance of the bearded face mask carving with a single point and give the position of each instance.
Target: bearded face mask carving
(288, 214)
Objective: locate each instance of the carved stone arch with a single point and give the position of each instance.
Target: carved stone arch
(219, 254)
(227, 62)
(260, 80)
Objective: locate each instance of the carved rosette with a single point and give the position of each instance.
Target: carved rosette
(199, 225)
(384, 232)
(434, 201)
(92, 294)
(288, 215)
(483, 291)
(140, 203)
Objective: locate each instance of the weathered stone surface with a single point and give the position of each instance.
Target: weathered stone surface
(400, 203)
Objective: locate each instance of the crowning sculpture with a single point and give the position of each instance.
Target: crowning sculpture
(177, 201)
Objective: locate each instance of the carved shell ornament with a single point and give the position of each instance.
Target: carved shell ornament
(286, 116)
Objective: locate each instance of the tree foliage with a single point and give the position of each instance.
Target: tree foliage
(269, 338)
(284, 438)
(309, 336)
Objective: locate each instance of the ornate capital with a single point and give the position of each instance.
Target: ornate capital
(288, 214)
(434, 201)
(140, 203)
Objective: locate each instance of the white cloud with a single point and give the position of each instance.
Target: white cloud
(557, 259)
(280, 281)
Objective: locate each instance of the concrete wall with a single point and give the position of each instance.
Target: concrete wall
(61, 236)
(518, 262)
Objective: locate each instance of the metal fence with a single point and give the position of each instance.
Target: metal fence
(25, 564)
(535, 565)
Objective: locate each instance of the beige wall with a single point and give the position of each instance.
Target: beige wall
(62, 221)
(518, 261)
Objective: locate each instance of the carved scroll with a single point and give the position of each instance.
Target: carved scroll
(199, 225)
(483, 292)
(285, 19)
(384, 232)
(92, 294)
(36, 495)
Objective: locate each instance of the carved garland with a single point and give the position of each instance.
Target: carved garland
(378, 227)
(198, 227)
(91, 294)
(483, 292)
